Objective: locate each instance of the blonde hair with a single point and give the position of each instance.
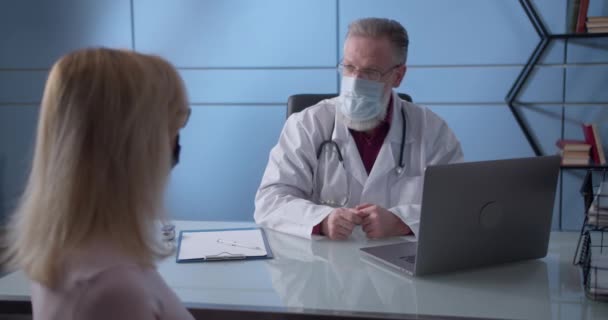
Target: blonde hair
(103, 150)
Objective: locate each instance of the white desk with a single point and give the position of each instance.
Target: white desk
(328, 277)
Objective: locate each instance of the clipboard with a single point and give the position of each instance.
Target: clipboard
(208, 245)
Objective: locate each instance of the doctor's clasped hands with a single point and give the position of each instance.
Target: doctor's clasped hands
(376, 221)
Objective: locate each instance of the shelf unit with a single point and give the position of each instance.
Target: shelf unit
(593, 239)
(588, 167)
(546, 38)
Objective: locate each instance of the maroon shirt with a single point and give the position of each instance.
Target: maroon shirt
(369, 145)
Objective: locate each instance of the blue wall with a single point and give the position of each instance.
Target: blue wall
(241, 59)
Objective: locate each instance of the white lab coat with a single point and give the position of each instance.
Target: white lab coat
(289, 196)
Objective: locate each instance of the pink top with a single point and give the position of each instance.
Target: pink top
(100, 283)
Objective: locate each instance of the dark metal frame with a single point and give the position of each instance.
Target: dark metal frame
(545, 39)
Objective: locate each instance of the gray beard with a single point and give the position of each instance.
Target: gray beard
(365, 125)
(362, 125)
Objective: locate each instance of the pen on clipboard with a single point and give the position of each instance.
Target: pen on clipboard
(237, 244)
(220, 257)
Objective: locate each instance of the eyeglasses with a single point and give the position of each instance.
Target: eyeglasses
(364, 73)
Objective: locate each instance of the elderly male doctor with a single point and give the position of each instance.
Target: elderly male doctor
(355, 163)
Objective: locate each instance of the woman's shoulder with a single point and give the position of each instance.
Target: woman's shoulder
(123, 289)
(101, 292)
(128, 291)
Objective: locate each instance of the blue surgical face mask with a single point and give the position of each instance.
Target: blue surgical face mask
(361, 99)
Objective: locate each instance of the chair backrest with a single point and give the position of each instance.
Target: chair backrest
(299, 102)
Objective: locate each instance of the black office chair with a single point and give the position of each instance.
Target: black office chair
(299, 102)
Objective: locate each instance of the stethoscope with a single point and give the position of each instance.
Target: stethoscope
(399, 169)
(333, 144)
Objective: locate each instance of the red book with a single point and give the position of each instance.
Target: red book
(600, 148)
(582, 16)
(590, 139)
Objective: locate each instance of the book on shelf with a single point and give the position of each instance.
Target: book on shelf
(597, 19)
(599, 207)
(598, 210)
(572, 145)
(599, 145)
(582, 16)
(592, 137)
(598, 274)
(598, 30)
(575, 154)
(575, 162)
(595, 209)
(597, 220)
(597, 24)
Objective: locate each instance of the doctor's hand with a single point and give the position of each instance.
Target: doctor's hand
(378, 222)
(339, 224)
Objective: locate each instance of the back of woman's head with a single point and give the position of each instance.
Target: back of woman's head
(105, 137)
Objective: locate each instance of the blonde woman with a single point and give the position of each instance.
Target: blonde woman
(85, 231)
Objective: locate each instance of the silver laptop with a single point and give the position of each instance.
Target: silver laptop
(479, 214)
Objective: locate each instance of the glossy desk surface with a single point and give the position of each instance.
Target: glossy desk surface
(333, 277)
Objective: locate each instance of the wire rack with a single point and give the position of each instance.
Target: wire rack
(592, 248)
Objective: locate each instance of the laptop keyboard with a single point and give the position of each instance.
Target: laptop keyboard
(408, 259)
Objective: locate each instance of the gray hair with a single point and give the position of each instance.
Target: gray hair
(381, 27)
